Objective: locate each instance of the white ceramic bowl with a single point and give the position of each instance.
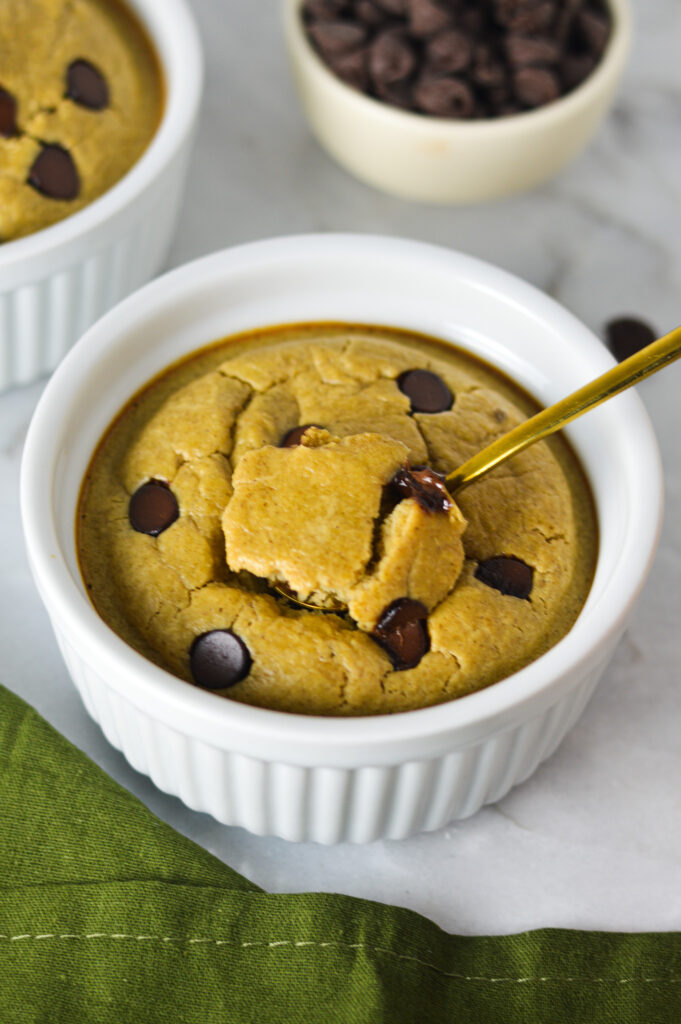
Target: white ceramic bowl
(313, 778)
(436, 160)
(58, 281)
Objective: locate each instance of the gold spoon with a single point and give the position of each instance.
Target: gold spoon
(631, 371)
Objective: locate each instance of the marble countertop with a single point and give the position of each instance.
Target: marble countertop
(593, 839)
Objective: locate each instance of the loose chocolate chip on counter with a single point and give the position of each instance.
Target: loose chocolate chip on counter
(426, 391)
(508, 574)
(402, 632)
(54, 173)
(86, 85)
(443, 96)
(293, 438)
(626, 336)
(535, 87)
(423, 484)
(219, 659)
(153, 508)
(8, 114)
(333, 37)
(391, 57)
(449, 52)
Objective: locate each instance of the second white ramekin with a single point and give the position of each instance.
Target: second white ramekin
(326, 779)
(56, 282)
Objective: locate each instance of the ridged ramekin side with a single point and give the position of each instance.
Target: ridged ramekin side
(328, 804)
(43, 317)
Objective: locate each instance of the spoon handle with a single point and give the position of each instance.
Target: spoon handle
(634, 369)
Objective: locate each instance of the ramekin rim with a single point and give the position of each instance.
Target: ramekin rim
(179, 114)
(610, 63)
(151, 685)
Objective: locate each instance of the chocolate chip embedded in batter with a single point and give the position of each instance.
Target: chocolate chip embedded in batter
(54, 173)
(8, 114)
(423, 484)
(294, 437)
(402, 632)
(86, 85)
(153, 508)
(219, 659)
(507, 574)
(626, 336)
(426, 391)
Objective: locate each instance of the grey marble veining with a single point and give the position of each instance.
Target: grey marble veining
(594, 838)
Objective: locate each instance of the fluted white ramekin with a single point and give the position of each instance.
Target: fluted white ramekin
(56, 282)
(313, 778)
(442, 160)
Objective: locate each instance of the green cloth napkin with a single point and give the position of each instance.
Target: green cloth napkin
(108, 915)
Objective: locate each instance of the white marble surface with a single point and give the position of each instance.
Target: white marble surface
(594, 838)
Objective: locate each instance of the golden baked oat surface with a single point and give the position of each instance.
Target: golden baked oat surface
(80, 99)
(293, 457)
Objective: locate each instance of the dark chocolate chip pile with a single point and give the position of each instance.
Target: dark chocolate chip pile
(8, 114)
(294, 437)
(153, 508)
(507, 574)
(426, 391)
(86, 85)
(219, 659)
(423, 484)
(54, 174)
(626, 336)
(402, 632)
(460, 58)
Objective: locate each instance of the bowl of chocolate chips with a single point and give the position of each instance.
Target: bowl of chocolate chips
(456, 101)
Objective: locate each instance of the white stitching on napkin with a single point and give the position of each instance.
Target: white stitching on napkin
(340, 945)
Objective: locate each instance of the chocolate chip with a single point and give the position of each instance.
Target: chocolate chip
(426, 391)
(524, 52)
(153, 508)
(626, 336)
(369, 14)
(332, 37)
(402, 632)
(488, 70)
(449, 52)
(575, 68)
(294, 437)
(8, 114)
(54, 173)
(426, 17)
(508, 574)
(423, 484)
(526, 17)
(442, 96)
(535, 87)
(395, 7)
(391, 58)
(219, 659)
(86, 85)
(352, 68)
(324, 10)
(397, 94)
(595, 30)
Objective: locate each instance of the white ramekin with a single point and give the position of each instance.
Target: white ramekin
(56, 282)
(313, 778)
(444, 161)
